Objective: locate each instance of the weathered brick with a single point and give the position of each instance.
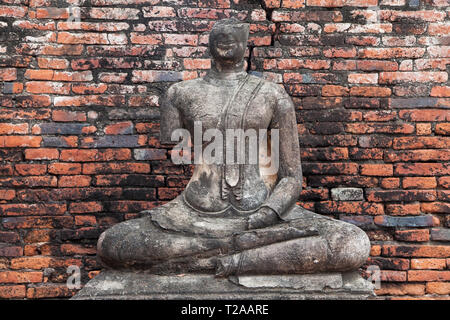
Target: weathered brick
(376, 170)
(49, 291)
(427, 264)
(438, 288)
(31, 169)
(428, 275)
(440, 234)
(422, 169)
(32, 209)
(347, 194)
(401, 289)
(85, 207)
(12, 292)
(403, 209)
(417, 221)
(11, 251)
(20, 277)
(354, 207)
(425, 251)
(419, 182)
(420, 235)
(389, 263)
(435, 207)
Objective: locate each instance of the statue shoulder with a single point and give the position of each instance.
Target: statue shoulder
(181, 88)
(273, 90)
(186, 84)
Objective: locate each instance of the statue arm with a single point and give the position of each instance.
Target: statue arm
(289, 176)
(170, 116)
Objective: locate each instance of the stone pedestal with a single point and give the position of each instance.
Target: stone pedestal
(118, 285)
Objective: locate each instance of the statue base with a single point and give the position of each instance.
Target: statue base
(120, 285)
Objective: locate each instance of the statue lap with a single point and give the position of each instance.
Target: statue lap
(176, 232)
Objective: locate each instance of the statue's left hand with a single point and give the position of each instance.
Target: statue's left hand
(264, 217)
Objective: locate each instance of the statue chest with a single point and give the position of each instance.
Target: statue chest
(214, 107)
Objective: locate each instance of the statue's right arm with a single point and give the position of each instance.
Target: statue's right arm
(170, 116)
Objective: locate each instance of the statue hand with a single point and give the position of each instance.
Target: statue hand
(264, 217)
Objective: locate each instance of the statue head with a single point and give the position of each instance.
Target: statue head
(228, 41)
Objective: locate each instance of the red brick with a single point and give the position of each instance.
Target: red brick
(85, 221)
(34, 236)
(428, 275)
(421, 143)
(49, 291)
(20, 277)
(444, 182)
(77, 155)
(8, 74)
(36, 262)
(12, 292)
(423, 129)
(124, 167)
(41, 154)
(435, 207)
(120, 128)
(18, 209)
(427, 264)
(10, 128)
(422, 169)
(73, 249)
(181, 39)
(197, 63)
(390, 183)
(293, 4)
(401, 289)
(85, 207)
(159, 12)
(64, 168)
(90, 88)
(419, 182)
(375, 250)
(31, 169)
(20, 141)
(271, 4)
(370, 91)
(421, 235)
(376, 169)
(334, 90)
(363, 78)
(74, 181)
(441, 91)
(438, 288)
(390, 53)
(425, 251)
(68, 116)
(47, 87)
(443, 128)
(392, 276)
(396, 77)
(403, 209)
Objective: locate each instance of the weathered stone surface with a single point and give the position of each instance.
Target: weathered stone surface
(347, 194)
(307, 282)
(140, 285)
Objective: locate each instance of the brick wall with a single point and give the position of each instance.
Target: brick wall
(79, 145)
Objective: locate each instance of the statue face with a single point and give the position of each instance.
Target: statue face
(227, 45)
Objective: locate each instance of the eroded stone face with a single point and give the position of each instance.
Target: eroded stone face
(232, 219)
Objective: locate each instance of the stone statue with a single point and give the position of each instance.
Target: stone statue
(232, 219)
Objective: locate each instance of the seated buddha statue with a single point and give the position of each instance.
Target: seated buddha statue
(234, 219)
